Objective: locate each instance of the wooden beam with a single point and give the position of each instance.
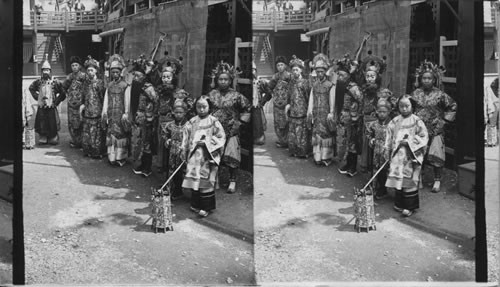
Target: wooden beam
(466, 86)
(452, 10)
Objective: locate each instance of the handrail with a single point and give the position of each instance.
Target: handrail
(279, 19)
(66, 20)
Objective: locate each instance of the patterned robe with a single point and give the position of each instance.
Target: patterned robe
(377, 130)
(144, 133)
(370, 100)
(202, 161)
(277, 87)
(116, 104)
(322, 135)
(74, 87)
(299, 140)
(93, 133)
(173, 131)
(166, 99)
(349, 129)
(49, 94)
(435, 108)
(230, 108)
(406, 165)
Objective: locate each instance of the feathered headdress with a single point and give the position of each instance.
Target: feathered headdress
(296, 62)
(429, 67)
(374, 63)
(90, 62)
(346, 64)
(172, 64)
(46, 65)
(116, 62)
(179, 103)
(321, 61)
(225, 68)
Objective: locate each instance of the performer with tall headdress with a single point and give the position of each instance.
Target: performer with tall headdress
(168, 93)
(115, 113)
(277, 89)
(232, 109)
(349, 112)
(144, 123)
(372, 68)
(436, 109)
(93, 133)
(49, 93)
(73, 85)
(299, 90)
(320, 111)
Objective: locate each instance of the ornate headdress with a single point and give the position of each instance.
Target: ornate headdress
(321, 61)
(141, 64)
(374, 63)
(384, 103)
(116, 62)
(346, 64)
(46, 65)
(280, 59)
(179, 103)
(224, 68)
(296, 62)
(75, 59)
(91, 63)
(429, 67)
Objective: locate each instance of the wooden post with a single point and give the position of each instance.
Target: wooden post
(470, 113)
(496, 6)
(95, 20)
(467, 68)
(66, 21)
(35, 53)
(35, 21)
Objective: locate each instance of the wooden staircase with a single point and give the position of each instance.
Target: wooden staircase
(50, 48)
(263, 55)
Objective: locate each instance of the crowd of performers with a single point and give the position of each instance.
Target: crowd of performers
(341, 114)
(134, 110)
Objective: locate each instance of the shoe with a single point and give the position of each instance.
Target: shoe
(436, 187)
(42, 140)
(407, 212)
(398, 209)
(146, 173)
(352, 172)
(54, 140)
(232, 187)
(137, 170)
(343, 169)
(196, 210)
(327, 162)
(203, 213)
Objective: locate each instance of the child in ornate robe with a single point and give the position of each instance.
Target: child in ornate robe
(376, 136)
(171, 133)
(405, 146)
(202, 145)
